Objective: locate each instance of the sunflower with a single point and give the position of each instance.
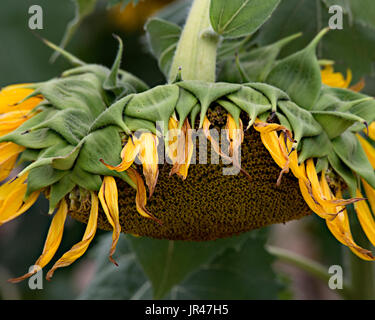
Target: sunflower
(114, 154)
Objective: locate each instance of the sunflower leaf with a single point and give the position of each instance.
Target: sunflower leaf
(238, 18)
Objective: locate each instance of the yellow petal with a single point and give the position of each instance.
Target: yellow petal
(365, 218)
(10, 97)
(148, 155)
(235, 136)
(368, 148)
(52, 243)
(370, 193)
(329, 205)
(335, 79)
(8, 155)
(141, 197)
(108, 197)
(371, 130)
(12, 202)
(128, 155)
(80, 248)
(183, 153)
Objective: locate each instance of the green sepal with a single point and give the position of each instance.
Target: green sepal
(42, 177)
(250, 101)
(194, 113)
(28, 155)
(299, 75)
(114, 115)
(272, 93)
(85, 179)
(140, 125)
(344, 172)
(80, 92)
(350, 151)
(301, 120)
(59, 190)
(334, 123)
(111, 82)
(186, 103)
(207, 93)
(102, 144)
(322, 164)
(258, 63)
(156, 104)
(231, 108)
(284, 121)
(72, 124)
(315, 147)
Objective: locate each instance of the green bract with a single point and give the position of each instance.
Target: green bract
(90, 108)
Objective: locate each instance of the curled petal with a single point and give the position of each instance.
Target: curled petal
(216, 147)
(108, 197)
(235, 136)
(141, 197)
(128, 155)
(148, 155)
(8, 156)
(371, 131)
(52, 243)
(80, 248)
(183, 153)
(339, 225)
(369, 150)
(365, 217)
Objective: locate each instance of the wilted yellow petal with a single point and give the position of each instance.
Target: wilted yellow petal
(371, 131)
(368, 148)
(128, 155)
(370, 193)
(365, 218)
(182, 151)
(80, 248)
(52, 243)
(148, 155)
(108, 197)
(141, 197)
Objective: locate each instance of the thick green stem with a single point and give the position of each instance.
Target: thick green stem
(196, 51)
(362, 279)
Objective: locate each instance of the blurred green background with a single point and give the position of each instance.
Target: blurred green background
(24, 58)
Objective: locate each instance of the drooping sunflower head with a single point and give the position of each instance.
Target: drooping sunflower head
(190, 160)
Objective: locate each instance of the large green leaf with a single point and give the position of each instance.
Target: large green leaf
(237, 18)
(125, 282)
(238, 273)
(167, 263)
(237, 268)
(163, 37)
(353, 47)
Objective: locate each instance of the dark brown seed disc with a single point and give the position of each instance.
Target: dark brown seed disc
(209, 205)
